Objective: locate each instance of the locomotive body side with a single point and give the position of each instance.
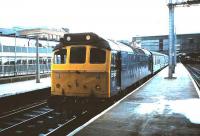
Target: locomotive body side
(135, 66)
(128, 66)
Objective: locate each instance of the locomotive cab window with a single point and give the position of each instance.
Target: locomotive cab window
(60, 56)
(77, 54)
(97, 56)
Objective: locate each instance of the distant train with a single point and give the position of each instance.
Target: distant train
(190, 58)
(86, 66)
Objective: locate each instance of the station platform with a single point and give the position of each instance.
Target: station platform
(161, 106)
(11, 89)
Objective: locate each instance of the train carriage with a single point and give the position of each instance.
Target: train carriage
(159, 61)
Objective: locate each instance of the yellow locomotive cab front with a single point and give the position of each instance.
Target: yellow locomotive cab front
(81, 71)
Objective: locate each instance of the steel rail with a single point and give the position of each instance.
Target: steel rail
(67, 123)
(23, 109)
(25, 121)
(195, 74)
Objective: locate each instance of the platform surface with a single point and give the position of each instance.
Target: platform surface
(160, 107)
(23, 87)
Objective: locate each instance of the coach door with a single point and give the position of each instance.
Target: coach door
(115, 72)
(118, 63)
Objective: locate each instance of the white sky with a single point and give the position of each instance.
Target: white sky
(117, 19)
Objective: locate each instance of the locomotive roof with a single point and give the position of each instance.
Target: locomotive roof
(146, 52)
(119, 46)
(83, 39)
(90, 39)
(157, 53)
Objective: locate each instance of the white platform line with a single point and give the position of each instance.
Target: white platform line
(106, 110)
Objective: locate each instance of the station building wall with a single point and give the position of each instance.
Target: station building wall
(185, 43)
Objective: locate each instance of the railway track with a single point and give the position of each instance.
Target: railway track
(22, 109)
(19, 116)
(195, 72)
(40, 120)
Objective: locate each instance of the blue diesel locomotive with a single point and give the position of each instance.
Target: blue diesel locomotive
(86, 66)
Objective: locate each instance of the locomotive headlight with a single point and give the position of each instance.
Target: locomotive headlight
(58, 85)
(87, 37)
(98, 87)
(68, 38)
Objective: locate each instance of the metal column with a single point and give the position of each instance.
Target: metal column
(37, 61)
(15, 69)
(2, 62)
(172, 53)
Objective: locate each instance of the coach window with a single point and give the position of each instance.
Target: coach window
(77, 54)
(18, 61)
(60, 56)
(12, 62)
(97, 56)
(30, 61)
(24, 61)
(18, 49)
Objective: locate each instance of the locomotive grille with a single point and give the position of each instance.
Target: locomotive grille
(81, 83)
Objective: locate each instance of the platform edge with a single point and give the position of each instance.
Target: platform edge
(195, 86)
(106, 110)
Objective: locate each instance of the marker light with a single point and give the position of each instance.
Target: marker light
(97, 87)
(58, 85)
(68, 38)
(88, 37)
